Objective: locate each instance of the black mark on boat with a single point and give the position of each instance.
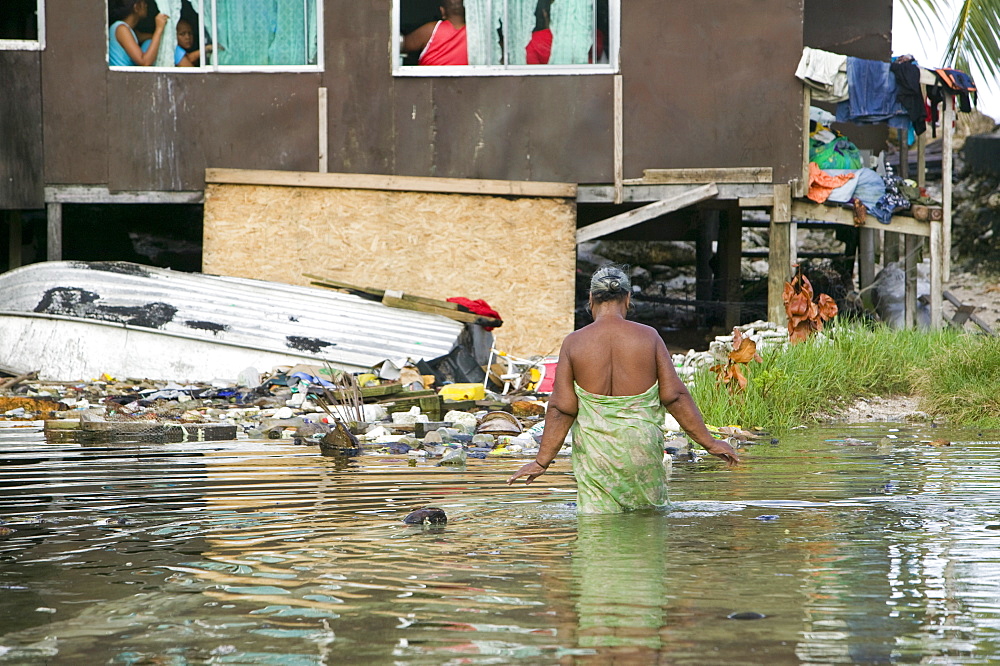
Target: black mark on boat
(76, 302)
(207, 326)
(121, 267)
(312, 345)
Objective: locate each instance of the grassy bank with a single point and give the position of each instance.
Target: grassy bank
(955, 375)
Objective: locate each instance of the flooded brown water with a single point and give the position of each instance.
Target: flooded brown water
(858, 544)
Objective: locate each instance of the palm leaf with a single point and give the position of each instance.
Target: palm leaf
(975, 38)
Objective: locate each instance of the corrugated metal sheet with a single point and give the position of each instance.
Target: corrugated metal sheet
(347, 330)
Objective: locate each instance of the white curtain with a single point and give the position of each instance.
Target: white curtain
(168, 42)
(482, 20)
(572, 31)
(518, 28)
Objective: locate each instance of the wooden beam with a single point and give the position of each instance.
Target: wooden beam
(696, 176)
(96, 194)
(55, 232)
(364, 181)
(633, 217)
(779, 254)
(619, 141)
(807, 210)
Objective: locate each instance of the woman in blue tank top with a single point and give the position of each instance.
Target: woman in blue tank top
(123, 45)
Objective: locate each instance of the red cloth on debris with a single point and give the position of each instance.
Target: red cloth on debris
(479, 307)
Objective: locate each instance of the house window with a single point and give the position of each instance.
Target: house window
(22, 25)
(218, 35)
(505, 37)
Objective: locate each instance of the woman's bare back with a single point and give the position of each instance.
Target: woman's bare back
(614, 356)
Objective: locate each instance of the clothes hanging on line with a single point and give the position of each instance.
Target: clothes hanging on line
(825, 73)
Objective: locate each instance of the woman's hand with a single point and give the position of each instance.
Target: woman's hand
(161, 21)
(722, 449)
(531, 470)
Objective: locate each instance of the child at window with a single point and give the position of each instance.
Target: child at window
(186, 55)
(123, 45)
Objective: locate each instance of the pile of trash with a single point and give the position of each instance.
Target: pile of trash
(343, 414)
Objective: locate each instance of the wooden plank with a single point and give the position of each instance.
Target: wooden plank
(633, 217)
(466, 317)
(779, 254)
(619, 141)
(697, 176)
(364, 181)
(808, 210)
(966, 313)
(912, 247)
(324, 116)
(922, 157)
(55, 229)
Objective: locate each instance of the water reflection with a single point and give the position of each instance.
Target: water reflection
(855, 548)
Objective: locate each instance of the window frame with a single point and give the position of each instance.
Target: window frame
(29, 44)
(613, 66)
(206, 67)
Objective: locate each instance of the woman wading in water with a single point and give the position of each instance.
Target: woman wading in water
(613, 382)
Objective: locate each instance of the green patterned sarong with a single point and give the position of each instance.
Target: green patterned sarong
(618, 451)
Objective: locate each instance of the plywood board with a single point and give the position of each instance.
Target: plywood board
(516, 253)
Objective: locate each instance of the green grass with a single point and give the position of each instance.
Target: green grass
(956, 376)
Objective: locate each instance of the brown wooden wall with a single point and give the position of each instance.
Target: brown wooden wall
(707, 83)
(20, 130)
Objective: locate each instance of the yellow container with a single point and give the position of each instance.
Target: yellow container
(463, 392)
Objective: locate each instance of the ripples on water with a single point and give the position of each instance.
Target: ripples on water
(857, 547)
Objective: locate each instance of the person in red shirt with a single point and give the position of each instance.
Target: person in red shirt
(540, 47)
(441, 42)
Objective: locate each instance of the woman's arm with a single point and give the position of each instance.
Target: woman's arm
(124, 36)
(417, 40)
(678, 401)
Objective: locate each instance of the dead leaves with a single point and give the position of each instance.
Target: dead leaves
(805, 315)
(730, 373)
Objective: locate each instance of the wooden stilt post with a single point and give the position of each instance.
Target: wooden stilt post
(14, 235)
(779, 253)
(947, 164)
(912, 248)
(708, 231)
(55, 232)
(937, 271)
(866, 257)
(730, 258)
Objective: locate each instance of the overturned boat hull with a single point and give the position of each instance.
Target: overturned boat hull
(78, 320)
